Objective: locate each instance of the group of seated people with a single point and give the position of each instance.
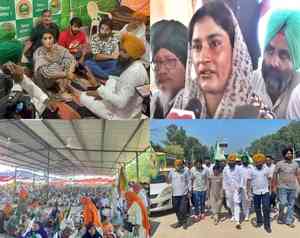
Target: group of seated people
(100, 74)
(206, 68)
(64, 213)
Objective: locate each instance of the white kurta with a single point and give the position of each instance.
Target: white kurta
(232, 182)
(246, 200)
(37, 95)
(119, 97)
(135, 217)
(293, 109)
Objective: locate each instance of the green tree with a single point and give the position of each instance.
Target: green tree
(175, 150)
(192, 147)
(288, 136)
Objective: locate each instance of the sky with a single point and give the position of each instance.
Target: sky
(237, 133)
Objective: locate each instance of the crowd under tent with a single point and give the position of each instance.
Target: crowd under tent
(65, 149)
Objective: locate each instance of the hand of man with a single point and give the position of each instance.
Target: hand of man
(115, 55)
(52, 105)
(86, 49)
(94, 94)
(16, 71)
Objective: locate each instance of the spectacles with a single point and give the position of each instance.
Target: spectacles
(169, 64)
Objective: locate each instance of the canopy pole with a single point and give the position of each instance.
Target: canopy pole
(33, 182)
(15, 181)
(48, 165)
(137, 166)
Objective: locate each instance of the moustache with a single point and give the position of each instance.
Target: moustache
(276, 80)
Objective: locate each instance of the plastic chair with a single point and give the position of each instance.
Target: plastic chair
(94, 13)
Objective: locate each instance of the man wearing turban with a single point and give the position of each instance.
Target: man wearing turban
(179, 178)
(281, 60)
(259, 183)
(232, 185)
(118, 99)
(169, 46)
(90, 212)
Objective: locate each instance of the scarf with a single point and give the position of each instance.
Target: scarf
(238, 91)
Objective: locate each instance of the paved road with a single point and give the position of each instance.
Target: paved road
(225, 229)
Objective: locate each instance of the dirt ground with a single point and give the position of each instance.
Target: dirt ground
(226, 229)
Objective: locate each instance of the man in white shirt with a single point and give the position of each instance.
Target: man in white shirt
(22, 82)
(179, 179)
(259, 182)
(208, 165)
(271, 166)
(232, 184)
(118, 99)
(246, 169)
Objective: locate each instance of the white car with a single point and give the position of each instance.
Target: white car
(160, 193)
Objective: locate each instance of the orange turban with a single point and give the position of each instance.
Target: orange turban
(132, 197)
(232, 157)
(23, 194)
(259, 158)
(8, 210)
(178, 163)
(134, 46)
(90, 212)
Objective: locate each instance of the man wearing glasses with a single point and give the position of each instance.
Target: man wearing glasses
(169, 54)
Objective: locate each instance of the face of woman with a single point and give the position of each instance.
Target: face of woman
(48, 40)
(211, 55)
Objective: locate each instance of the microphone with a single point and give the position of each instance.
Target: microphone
(195, 106)
(191, 111)
(246, 111)
(180, 114)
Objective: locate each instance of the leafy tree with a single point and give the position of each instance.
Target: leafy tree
(175, 150)
(288, 136)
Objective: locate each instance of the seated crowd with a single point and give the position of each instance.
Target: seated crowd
(82, 212)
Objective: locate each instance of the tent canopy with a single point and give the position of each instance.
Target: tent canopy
(82, 147)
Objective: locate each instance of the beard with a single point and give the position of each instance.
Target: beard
(276, 80)
(104, 36)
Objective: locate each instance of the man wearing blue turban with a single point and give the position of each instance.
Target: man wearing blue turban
(278, 75)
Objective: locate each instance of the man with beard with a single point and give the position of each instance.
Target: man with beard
(169, 51)
(259, 183)
(73, 38)
(105, 51)
(179, 179)
(277, 78)
(118, 99)
(232, 185)
(285, 178)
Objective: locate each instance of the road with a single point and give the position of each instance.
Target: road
(225, 229)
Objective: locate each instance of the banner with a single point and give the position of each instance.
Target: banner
(24, 14)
